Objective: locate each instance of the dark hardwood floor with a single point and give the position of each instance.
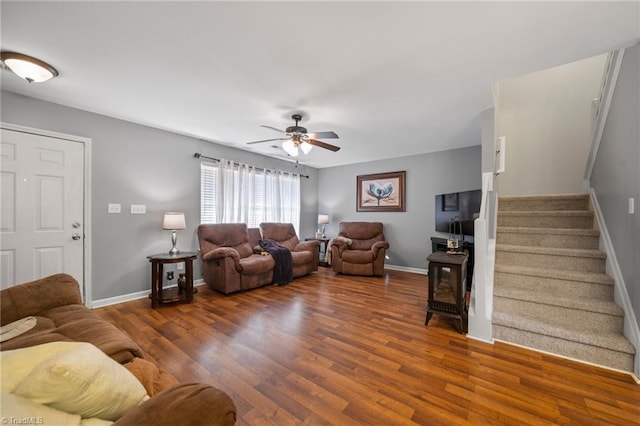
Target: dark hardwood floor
(341, 350)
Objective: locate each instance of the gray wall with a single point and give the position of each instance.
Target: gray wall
(546, 119)
(408, 232)
(616, 175)
(136, 164)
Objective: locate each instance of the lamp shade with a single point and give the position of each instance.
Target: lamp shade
(323, 219)
(306, 147)
(290, 147)
(174, 220)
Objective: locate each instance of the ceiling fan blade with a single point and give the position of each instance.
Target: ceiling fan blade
(323, 135)
(273, 128)
(323, 145)
(268, 140)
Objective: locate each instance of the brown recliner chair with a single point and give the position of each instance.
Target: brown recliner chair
(228, 260)
(305, 255)
(359, 249)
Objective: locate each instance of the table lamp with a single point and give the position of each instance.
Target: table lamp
(323, 219)
(174, 221)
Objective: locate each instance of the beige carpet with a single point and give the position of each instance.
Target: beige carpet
(551, 291)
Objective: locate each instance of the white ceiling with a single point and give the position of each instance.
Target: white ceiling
(391, 78)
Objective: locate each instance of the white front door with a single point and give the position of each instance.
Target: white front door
(42, 210)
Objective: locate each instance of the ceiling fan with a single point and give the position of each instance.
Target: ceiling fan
(298, 137)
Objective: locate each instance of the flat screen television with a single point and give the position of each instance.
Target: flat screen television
(463, 206)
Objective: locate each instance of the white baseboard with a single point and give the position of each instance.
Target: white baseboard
(621, 295)
(481, 339)
(407, 269)
(101, 303)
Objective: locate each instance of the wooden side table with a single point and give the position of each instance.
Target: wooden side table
(160, 295)
(447, 287)
(324, 243)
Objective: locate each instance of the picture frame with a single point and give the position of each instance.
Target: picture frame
(450, 202)
(381, 192)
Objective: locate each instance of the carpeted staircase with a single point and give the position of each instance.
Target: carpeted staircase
(551, 292)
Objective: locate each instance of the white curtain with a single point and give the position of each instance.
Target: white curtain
(238, 193)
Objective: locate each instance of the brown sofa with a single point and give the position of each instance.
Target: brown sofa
(359, 249)
(305, 255)
(229, 263)
(56, 304)
(233, 261)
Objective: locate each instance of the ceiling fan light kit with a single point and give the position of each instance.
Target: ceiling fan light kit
(299, 138)
(290, 148)
(27, 67)
(306, 147)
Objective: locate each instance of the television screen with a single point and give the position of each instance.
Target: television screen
(458, 206)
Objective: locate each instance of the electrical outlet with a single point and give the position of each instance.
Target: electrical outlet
(180, 266)
(138, 209)
(113, 208)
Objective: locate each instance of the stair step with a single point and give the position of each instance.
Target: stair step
(606, 307)
(545, 202)
(615, 342)
(585, 260)
(611, 350)
(604, 317)
(549, 237)
(561, 283)
(585, 277)
(546, 219)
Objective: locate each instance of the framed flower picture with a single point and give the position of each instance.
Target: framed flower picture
(382, 192)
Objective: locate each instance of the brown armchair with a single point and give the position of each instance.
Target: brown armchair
(228, 261)
(359, 249)
(305, 255)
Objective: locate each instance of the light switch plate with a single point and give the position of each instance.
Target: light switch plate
(632, 205)
(113, 208)
(138, 209)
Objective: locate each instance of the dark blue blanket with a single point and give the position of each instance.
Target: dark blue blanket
(283, 272)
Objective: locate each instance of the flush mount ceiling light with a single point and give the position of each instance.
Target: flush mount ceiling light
(28, 67)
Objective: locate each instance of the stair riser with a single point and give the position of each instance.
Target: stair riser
(547, 240)
(544, 204)
(561, 288)
(592, 354)
(547, 221)
(546, 261)
(560, 316)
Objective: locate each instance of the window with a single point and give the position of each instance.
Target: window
(238, 193)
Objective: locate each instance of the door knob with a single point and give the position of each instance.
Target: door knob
(76, 236)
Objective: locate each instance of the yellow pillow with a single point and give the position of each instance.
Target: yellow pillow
(17, 407)
(73, 377)
(19, 363)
